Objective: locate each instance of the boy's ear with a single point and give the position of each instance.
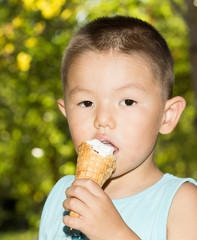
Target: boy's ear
(172, 112)
(61, 106)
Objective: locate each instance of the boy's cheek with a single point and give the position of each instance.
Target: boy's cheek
(80, 133)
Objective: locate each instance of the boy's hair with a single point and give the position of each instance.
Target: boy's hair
(125, 35)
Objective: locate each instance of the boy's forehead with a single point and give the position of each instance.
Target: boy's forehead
(90, 58)
(111, 65)
(112, 62)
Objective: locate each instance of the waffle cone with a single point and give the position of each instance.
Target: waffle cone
(93, 166)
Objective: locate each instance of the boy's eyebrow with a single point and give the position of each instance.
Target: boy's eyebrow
(78, 89)
(132, 85)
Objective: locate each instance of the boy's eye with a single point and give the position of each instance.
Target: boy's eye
(86, 104)
(128, 102)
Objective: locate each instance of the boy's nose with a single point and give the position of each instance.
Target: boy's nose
(104, 118)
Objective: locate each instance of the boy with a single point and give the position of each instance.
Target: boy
(117, 78)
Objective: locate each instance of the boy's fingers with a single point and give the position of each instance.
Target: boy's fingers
(84, 195)
(73, 222)
(88, 184)
(77, 192)
(81, 194)
(75, 205)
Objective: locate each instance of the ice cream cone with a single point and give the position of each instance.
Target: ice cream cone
(92, 165)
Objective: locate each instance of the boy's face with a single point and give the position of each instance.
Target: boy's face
(115, 98)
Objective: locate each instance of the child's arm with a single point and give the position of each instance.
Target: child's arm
(182, 220)
(99, 218)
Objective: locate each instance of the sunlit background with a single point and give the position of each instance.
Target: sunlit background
(35, 145)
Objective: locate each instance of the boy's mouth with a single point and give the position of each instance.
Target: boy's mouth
(111, 145)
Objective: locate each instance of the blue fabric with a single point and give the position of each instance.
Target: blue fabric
(145, 213)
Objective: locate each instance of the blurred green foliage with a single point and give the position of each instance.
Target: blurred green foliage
(19, 235)
(35, 145)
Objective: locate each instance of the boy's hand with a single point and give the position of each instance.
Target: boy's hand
(99, 219)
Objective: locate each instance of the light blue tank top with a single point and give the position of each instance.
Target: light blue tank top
(146, 213)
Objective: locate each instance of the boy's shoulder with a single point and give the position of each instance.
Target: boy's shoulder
(182, 218)
(53, 210)
(185, 200)
(63, 183)
(58, 191)
(65, 180)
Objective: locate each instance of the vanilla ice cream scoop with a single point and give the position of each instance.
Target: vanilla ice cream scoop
(95, 161)
(101, 148)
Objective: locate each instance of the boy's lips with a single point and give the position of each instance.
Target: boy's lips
(105, 140)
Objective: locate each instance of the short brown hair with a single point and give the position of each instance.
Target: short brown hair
(123, 35)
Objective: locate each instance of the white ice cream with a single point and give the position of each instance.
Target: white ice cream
(101, 148)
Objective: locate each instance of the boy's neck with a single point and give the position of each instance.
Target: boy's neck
(133, 182)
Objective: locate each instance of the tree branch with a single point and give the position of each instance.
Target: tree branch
(178, 9)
